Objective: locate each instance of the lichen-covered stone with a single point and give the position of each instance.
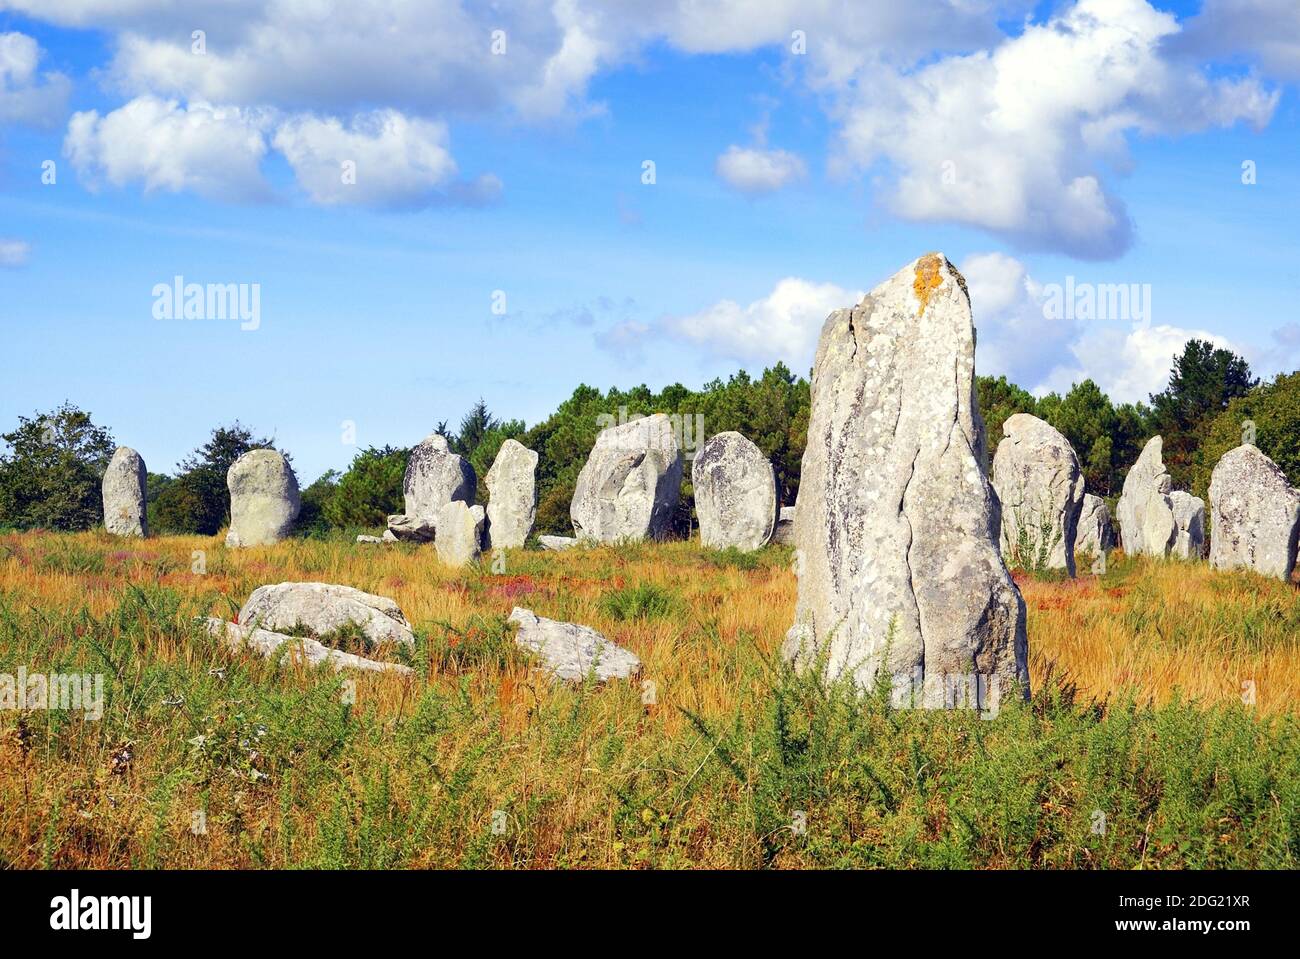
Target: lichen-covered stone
(630, 484)
(896, 528)
(735, 493)
(323, 609)
(435, 476)
(460, 533)
(512, 495)
(123, 490)
(569, 652)
(1255, 515)
(1145, 511)
(1189, 523)
(1039, 484)
(1095, 534)
(264, 499)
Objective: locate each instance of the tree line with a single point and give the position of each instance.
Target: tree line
(51, 463)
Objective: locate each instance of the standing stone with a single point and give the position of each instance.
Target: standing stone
(784, 532)
(512, 495)
(1255, 514)
(896, 529)
(263, 499)
(124, 494)
(1189, 519)
(1039, 483)
(630, 484)
(1145, 511)
(460, 533)
(1095, 534)
(435, 477)
(735, 493)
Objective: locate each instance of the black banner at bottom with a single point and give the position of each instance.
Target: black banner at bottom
(335, 909)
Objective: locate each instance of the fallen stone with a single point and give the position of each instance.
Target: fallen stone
(571, 652)
(412, 529)
(362, 538)
(557, 543)
(325, 608)
(300, 649)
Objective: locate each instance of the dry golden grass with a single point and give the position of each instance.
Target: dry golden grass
(434, 757)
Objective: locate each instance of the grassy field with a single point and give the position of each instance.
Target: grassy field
(1137, 749)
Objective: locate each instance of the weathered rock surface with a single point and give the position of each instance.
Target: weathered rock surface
(412, 529)
(571, 652)
(325, 608)
(1039, 484)
(1189, 521)
(735, 493)
(630, 484)
(896, 529)
(435, 476)
(266, 643)
(512, 495)
(1255, 514)
(557, 543)
(460, 533)
(124, 494)
(1145, 512)
(363, 538)
(263, 499)
(389, 536)
(1095, 533)
(784, 532)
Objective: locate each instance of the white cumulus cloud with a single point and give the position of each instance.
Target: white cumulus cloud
(26, 95)
(755, 170)
(1013, 139)
(214, 151)
(784, 325)
(381, 159)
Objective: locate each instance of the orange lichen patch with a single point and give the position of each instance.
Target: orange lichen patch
(929, 277)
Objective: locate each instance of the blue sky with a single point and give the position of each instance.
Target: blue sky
(1101, 140)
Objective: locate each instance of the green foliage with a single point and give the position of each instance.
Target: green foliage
(643, 601)
(998, 400)
(1203, 382)
(198, 500)
(51, 468)
(1107, 439)
(370, 491)
(1274, 408)
(312, 519)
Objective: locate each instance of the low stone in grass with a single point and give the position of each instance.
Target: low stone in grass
(570, 652)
